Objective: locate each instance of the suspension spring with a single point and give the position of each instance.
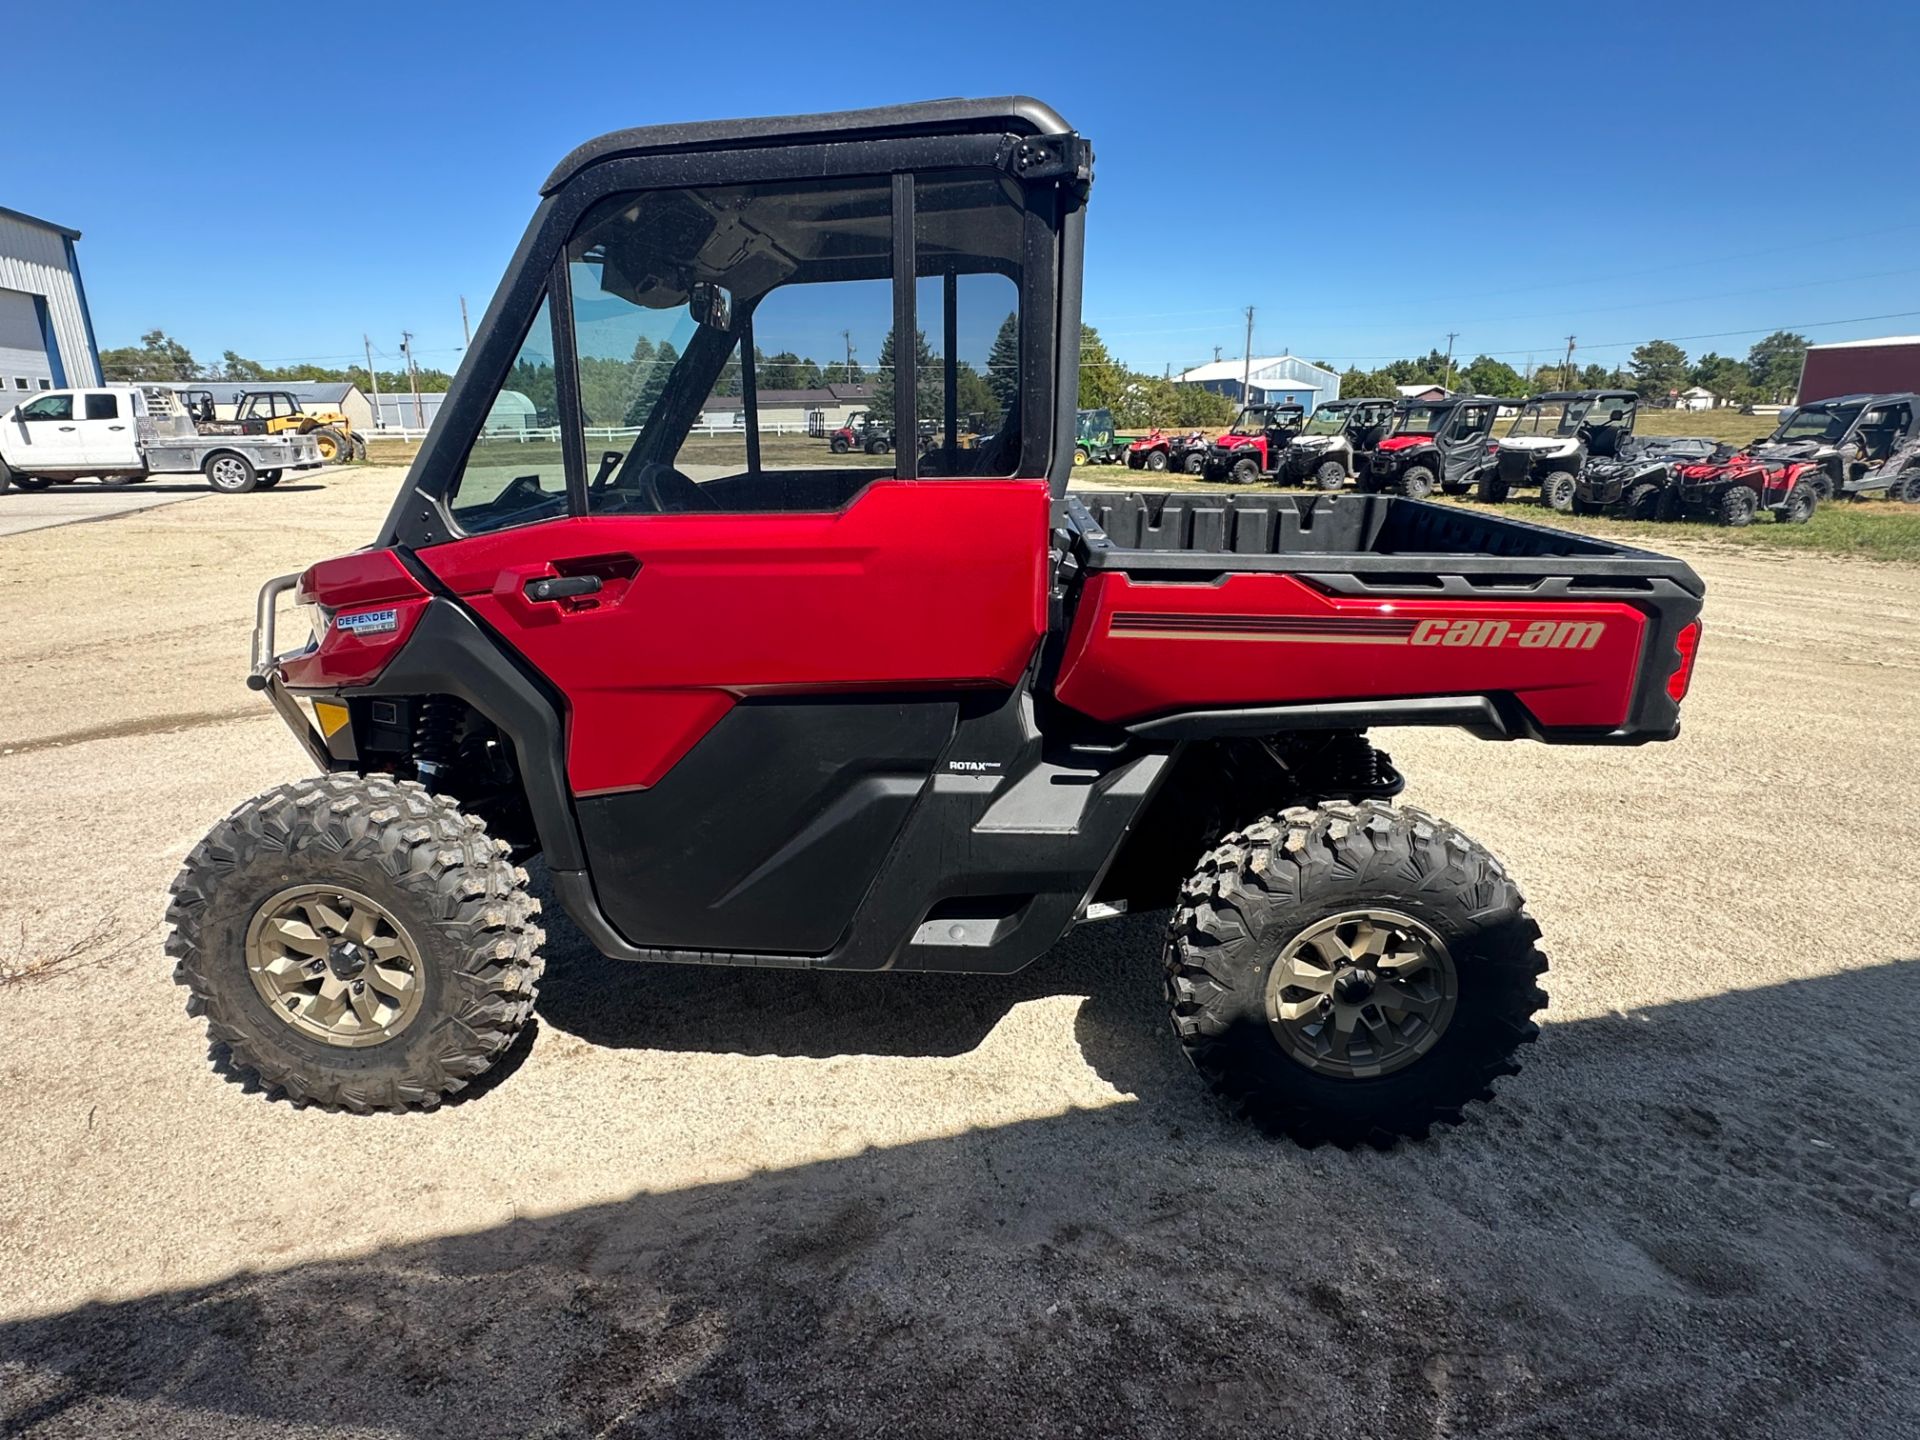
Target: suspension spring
(435, 733)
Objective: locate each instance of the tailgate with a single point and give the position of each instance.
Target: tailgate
(1254, 614)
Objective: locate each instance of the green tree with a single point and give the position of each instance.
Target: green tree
(1773, 365)
(1484, 375)
(238, 367)
(157, 357)
(928, 401)
(1659, 369)
(1103, 382)
(1003, 364)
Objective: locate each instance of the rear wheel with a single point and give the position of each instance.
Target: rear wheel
(1156, 460)
(1799, 505)
(1906, 487)
(1821, 484)
(1330, 475)
(1416, 482)
(229, 473)
(1136, 461)
(331, 444)
(1556, 491)
(1246, 472)
(31, 482)
(1736, 506)
(355, 943)
(269, 479)
(1491, 489)
(1352, 973)
(1194, 463)
(878, 447)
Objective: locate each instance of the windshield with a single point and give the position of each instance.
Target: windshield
(1251, 422)
(1419, 420)
(1826, 423)
(1096, 424)
(1549, 417)
(1328, 420)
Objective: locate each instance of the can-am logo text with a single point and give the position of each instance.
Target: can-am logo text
(1489, 634)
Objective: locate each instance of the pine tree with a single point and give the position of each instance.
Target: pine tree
(1003, 366)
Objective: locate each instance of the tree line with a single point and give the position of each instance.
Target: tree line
(160, 358)
(1769, 375)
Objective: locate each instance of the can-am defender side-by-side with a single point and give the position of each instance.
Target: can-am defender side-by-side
(1337, 443)
(761, 712)
(1551, 440)
(1635, 484)
(1252, 448)
(1433, 444)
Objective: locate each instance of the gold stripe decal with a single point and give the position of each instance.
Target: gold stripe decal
(1363, 630)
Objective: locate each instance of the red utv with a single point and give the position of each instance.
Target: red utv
(861, 432)
(1252, 448)
(828, 716)
(1431, 443)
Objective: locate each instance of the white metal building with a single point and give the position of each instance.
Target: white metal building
(46, 335)
(1270, 380)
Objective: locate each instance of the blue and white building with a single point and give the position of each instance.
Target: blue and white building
(46, 335)
(1270, 380)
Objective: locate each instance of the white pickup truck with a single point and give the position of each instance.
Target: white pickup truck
(122, 434)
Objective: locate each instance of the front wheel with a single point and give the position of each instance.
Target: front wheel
(355, 943)
(1246, 472)
(1492, 490)
(269, 479)
(31, 482)
(1156, 460)
(838, 445)
(331, 444)
(1799, 506)
(1136, 461)
(1416, 482)
(1906, 488)
(229, 473)
(1736, 506)
(1331, 475)
(1194, 464)
(1556, 491)
(1643, 501)
(1352, 973)
(1081, 456)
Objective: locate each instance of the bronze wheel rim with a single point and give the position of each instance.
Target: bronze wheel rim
(335, 965)
(1362, 994)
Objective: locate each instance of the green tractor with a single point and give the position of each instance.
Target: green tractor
(1095, 443)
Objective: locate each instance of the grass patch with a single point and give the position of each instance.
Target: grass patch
(1865, 529)
(1723, 424)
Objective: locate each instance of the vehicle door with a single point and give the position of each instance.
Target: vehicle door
(762, 650)
(1464, 445)
(107, 431)
(45, 436)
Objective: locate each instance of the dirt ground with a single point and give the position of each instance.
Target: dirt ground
(726, 1203)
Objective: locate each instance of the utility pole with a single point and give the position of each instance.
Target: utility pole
(847, 335)
(413, 378)
(1216, 354)
(465, 329)
(1246, 362)
(373, 378)
(1566, 373)
(1447, 384)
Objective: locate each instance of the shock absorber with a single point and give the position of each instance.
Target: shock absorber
(435, 731)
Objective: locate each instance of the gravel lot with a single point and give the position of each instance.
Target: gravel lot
(742, 1203)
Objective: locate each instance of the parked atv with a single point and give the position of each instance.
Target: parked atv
(1252, 448)
(1433, 443)
(1635, 483)
(1337, 443)
(1736, 488)
(1855, 446)
(823, 718)
(1160, 450)
(861, 432)
(1551, 440)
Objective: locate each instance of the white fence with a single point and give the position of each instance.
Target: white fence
(551, 433)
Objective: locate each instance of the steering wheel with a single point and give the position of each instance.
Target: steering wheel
(657, 489)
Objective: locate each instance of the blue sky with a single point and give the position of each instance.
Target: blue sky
(1368, 177)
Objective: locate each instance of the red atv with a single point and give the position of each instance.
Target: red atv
(1736, 489)
(1157, 450)
(861, 432)
(827, 717)
(1252, 449)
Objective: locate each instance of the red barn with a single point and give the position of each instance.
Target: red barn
(1860, 367)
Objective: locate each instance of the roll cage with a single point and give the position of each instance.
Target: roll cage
(1022, 141)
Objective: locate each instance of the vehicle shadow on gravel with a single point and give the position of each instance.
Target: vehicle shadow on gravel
(1698, 1219)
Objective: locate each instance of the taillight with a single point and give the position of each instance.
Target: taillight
(362, 607)
(1686, 644)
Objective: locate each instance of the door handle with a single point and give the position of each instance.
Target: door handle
(116, 427)
(562, 587)
(67, 427)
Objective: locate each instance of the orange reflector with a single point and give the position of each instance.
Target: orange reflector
(332, 717)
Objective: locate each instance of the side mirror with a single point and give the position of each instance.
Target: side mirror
(1616, 417)
(711, 306)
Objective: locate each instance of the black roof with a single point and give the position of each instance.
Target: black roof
(1583, 395)
(1359, 400)
(1018, 114)
(1448, 401)
(1873, 398)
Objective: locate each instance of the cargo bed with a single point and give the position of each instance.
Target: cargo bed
(1194, 614)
